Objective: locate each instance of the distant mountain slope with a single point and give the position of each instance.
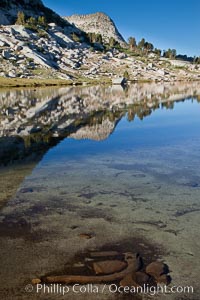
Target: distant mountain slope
(10, 8)
(98, 23)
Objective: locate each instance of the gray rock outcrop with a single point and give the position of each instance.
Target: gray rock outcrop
(98, 23)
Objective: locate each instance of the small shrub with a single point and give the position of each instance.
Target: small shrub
(42, 33)
(126, 75)
(29, 59)
(75, 37)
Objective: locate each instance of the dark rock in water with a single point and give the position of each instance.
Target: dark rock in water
(22, 222)
(141, 278)
(104, 253)
(26, 190)
(36, 281)
(139, 262)
(87, 201)
(192, 184)
(86, 236)
(128, 281)
(123, 268)
(74, 227)
(164, 279)
(129, 259)
(183, 212)
(88, 195)
(156, 269)
(109, 266)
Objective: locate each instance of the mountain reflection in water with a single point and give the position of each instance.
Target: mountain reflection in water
(32, 121)
(119, 166)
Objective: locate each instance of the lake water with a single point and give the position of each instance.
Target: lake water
(93, 168)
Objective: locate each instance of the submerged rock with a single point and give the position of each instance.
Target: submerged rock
(109, 266)
(86, 236)
(164, 279)
(104, 253)
(156, 269)
(138, 262)
(128, 281)
(141, 278)
(26, 190)
(112, 266)
(135, 279)
(36, 281)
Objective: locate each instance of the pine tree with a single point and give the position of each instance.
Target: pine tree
(42, 22)
(75, 37)
(20, 18)
(126, 75)
(112, 42)
(170, 53)
(32, 21)
(132, 43)
(99, 39)
(141, 44)
(148, 46)
(157, 51)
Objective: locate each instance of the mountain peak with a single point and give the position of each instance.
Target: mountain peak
(99, 23)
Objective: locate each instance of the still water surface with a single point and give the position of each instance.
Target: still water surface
(120, 166)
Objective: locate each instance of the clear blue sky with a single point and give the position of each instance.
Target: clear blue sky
(167, 24)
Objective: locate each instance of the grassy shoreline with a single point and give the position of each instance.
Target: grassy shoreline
(36, 82)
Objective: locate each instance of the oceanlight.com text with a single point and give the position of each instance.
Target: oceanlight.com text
(147, 289)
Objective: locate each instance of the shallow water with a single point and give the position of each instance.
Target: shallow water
(121, 166)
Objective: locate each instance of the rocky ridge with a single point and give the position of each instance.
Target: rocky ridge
(98, 23)
(54, 52)
(23, 51)
(10, 8)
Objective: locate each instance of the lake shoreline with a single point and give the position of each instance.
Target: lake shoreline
(36, 82)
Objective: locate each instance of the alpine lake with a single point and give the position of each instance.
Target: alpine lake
(99, 168)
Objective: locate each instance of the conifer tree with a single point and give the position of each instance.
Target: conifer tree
(20, 18)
